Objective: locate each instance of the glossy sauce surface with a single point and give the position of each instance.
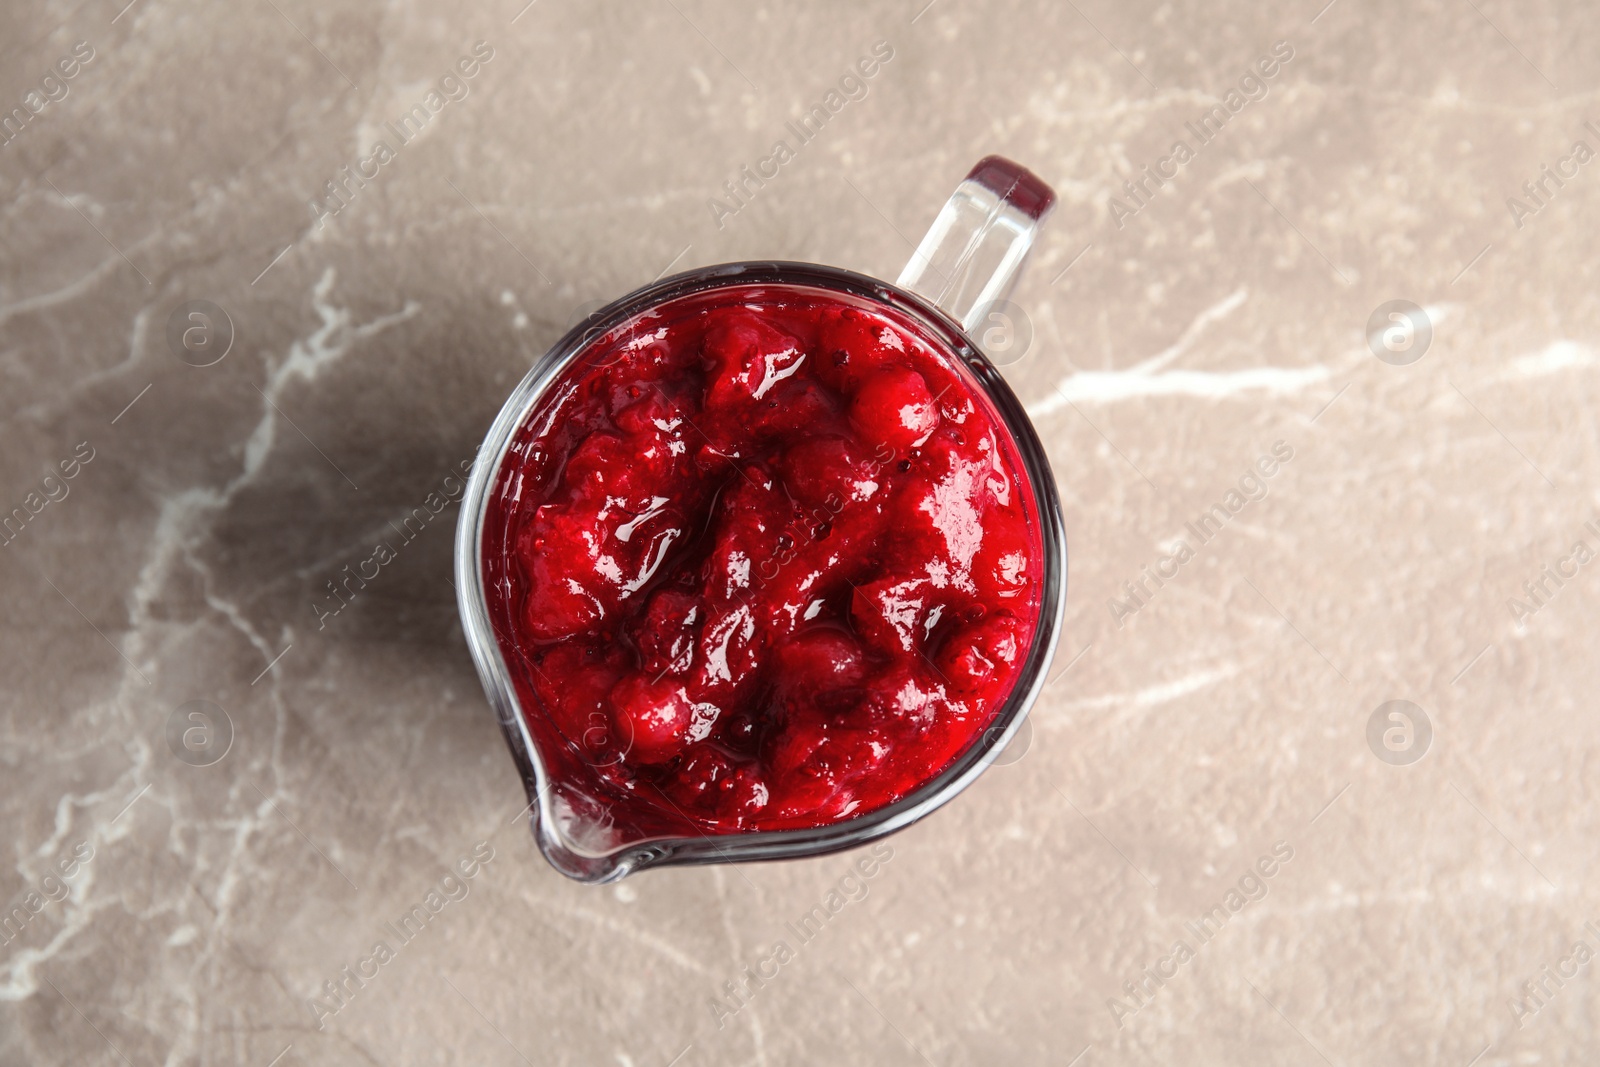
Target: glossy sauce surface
(763, 558)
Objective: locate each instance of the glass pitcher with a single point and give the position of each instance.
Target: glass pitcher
(966, 264)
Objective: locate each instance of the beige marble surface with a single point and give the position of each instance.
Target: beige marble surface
(1227, 715)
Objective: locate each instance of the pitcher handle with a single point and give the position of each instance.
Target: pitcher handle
(973, 252)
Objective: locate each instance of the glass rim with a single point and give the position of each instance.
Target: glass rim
(492, 669)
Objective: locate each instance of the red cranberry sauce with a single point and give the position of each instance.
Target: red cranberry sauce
(763, 558)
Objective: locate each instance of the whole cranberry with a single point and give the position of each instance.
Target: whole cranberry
(894, 406)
